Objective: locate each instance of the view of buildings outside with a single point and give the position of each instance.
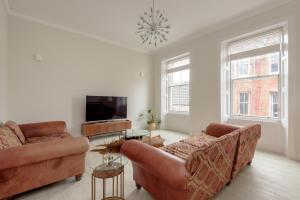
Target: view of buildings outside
(255, 83)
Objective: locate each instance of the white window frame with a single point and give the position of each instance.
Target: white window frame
(226, 85)
(244, 102)
(172, 70)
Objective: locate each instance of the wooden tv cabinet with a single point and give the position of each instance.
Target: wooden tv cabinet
(101, 128)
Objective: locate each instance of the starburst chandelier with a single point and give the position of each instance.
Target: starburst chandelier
(153, 27)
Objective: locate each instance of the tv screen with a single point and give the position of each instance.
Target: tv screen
(105, 108)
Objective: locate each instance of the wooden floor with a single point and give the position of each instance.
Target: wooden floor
(270, 177)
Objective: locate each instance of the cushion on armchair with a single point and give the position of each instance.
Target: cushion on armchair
(16, 129)
(48, 138)
(8, 138)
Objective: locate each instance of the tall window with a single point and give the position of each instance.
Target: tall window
(178, 84)
(244, 103)
(253, 64)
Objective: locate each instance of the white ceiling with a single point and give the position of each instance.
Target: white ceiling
(115, 20)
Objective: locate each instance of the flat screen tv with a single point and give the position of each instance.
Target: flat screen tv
(100, 108)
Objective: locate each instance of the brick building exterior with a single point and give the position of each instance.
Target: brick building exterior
(255, 86)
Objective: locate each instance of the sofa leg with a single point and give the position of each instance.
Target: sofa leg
(138, 186)
(78, 177)
(228, 183)
(250, 162)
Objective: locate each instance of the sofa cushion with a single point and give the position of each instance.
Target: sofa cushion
(8, 138)
(209, 137)
(16, 129)
(184, 148)
(48, 138)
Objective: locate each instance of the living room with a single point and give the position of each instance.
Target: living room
(219, 68)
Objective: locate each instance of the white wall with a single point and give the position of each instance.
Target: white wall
(296, 91)
(205, 50)
(179, 122)
(3, 60)
(73, 66)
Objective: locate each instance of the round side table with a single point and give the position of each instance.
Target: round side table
(114, 171)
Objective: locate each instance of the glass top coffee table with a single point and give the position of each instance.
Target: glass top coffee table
(136, 134)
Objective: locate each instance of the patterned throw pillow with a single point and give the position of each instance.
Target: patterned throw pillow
(8, 138)
(16, 129)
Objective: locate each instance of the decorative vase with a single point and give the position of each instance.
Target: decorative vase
(151, 126)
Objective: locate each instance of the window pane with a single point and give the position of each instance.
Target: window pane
(255, 66)
(178, 90)
(259, 88)
(180, 98)
(255, 43)
(185, 76)
(178, 78)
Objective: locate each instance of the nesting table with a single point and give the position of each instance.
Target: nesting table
(110, 172)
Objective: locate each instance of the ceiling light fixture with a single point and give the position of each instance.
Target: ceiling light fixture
(153, 27)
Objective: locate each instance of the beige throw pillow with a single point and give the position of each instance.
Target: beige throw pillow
(16, 129)
(8, 138)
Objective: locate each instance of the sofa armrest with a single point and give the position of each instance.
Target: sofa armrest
(249, 136)
(166, 167)
(38, 152)
(210, 167)
(218, 129)
(43, 128)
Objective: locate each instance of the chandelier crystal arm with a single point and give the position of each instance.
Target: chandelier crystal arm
(153, 10)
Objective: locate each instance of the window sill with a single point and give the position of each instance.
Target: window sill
(178, 113)
(255, 119)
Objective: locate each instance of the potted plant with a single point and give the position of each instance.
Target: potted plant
(152, 119)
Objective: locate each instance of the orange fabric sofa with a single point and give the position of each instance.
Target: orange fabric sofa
(45, 155)
(195, 168)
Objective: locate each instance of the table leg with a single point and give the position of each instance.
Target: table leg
(121, 184)
(122, 194)
(117, 185)
(93, 187)
(113, 185)
(104, 186)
